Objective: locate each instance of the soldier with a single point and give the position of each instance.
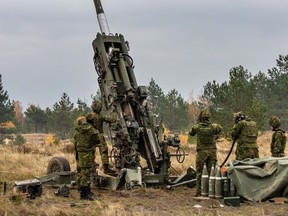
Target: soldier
(245, 132)
(96, 118)
(207, 134)
(278, 143)
(86, 138)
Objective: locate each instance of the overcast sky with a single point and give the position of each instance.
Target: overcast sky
(45, 45)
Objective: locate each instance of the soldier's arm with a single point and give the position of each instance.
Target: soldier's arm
(76, 152)
(94, 136)
(217, 129)
(193, 130)
(236, 131)
(111, 118)
(75, 147)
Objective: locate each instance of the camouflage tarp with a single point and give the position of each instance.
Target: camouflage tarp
(260, 179)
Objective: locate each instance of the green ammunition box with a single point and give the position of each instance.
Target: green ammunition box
(232, 201)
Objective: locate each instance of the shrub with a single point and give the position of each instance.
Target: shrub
(19, 140)
(52, 140)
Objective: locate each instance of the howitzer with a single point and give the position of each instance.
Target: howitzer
(136, 134)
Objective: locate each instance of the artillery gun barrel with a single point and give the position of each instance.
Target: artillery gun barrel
(101, 17)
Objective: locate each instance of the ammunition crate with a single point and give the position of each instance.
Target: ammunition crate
(232, 201)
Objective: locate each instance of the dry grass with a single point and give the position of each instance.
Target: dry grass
(19, 164)
(223, 148)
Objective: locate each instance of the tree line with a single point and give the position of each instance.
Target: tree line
(258, 96)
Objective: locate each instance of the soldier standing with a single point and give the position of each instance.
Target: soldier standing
(206, 145)
(86, 138)
(245, 132)
(96, 118)
(278, 143)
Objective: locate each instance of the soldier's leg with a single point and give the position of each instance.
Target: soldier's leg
(278, 155)
(211, 159)
(86, 162)
(254, 153)
(244, 152)
(103, 148)
(84, 182)
(78, 170)
(85, 189)
(240, 153)
(200, 160)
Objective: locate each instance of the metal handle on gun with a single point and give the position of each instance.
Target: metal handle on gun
(181, 183)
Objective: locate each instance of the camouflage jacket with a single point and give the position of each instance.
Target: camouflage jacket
(206, 134)
(86, 137)
(278, 143)
(97, 120)
(246, 133)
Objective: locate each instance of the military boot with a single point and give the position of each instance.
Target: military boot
(83, 194)
(86, 194)
(197, 193)
(91, 195)
(108, 171)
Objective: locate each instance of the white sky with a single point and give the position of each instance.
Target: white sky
(45, 45)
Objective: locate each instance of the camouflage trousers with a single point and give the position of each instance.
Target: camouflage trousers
(85, 168)
(83, 177)
(246, 152)
(207, 156)
(277, 154)
(103, 149)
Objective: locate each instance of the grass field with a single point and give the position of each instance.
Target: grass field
(30, 160)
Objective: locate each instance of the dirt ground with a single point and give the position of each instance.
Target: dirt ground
(180, 201)
(143, 201)
(18, 165)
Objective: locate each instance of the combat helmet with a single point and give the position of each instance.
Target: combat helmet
(239, 116)
(81, 120)
(92, 118)
(97, 106)
(204, 116)
(274, 121)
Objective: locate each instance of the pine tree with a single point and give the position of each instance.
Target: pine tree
(276, 91)
(175, 112)
(239, 94)
(62, 115)
(156, 97)
(6, 107)
(82, 109)
(36, 119)
(7, 127)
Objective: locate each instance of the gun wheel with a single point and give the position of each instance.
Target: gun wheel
(58, 164)
(180, 155)
(131, 156)
(128, 186)
(114, 154)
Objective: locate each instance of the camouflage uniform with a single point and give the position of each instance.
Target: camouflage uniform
(206, 145)
(278, 143)
(245, 132)
(86, 138)
(97, 119)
